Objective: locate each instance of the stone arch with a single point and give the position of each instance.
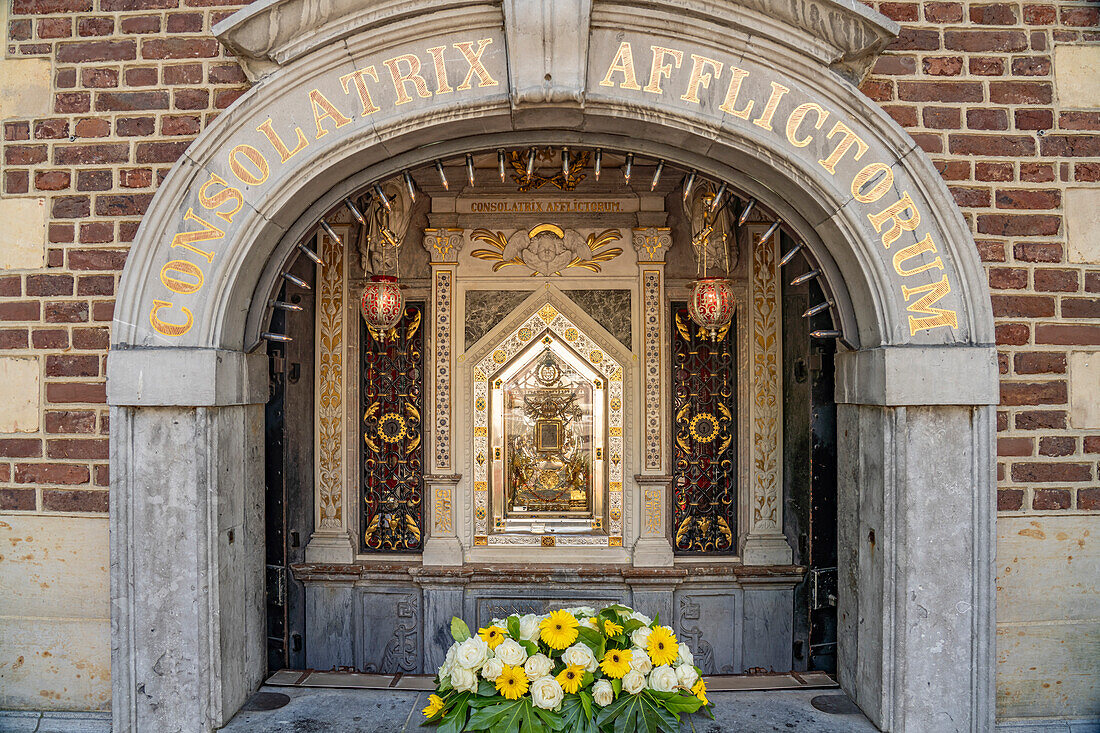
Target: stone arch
(186, 383)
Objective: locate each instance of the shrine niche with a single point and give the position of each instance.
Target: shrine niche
(549, 419)
(548, 438)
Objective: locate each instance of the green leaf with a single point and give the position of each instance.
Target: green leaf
(455, 718)
(586, 701)
(531, 647)
(631, 625)
(510, 716)
(677, 702)
(486, 688)
(593, 639)
(656, 620)
(460, 632)
(574, 717)
(617, 686)
(639, 712)
(513, 627)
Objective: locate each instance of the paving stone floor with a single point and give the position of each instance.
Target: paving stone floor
(320, 710)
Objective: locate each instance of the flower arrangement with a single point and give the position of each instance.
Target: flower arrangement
(574, 670)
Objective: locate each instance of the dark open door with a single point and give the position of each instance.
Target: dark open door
(809, 471)
(289, 472)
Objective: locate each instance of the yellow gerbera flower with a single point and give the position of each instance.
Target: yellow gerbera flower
(435, 704)
(662, 646)
(559, 629)
(610, 628)
(512, 682)
(571, 678)
(492, 635)
(616, 663)
(700, 691)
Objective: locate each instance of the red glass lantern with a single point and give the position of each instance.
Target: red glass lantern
(383, 304)
(711, 303)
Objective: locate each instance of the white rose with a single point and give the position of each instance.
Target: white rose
(581, 611)
(639, 660)
(686, 656)
(449, 662)
(510, 652)
(537, 665)
(633, 682)
(546, 693)
(639, 637)
(687, 676)
(472, 653)
(529, 627)
(492, 669)
(602, 693)
(663, 679)
(581, 655)
(641, 617)
(463, 679)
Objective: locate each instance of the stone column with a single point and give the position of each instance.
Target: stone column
(442, 546)
(765, 543)
(187, 498)
(653, 548)
(916, 501)
(331, 541)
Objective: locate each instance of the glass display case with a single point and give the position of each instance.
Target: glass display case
(548, 428)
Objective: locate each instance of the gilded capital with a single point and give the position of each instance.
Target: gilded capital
(652, 243)
(443, 245)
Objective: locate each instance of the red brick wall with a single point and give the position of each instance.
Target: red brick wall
(973, 84)
(135, 81)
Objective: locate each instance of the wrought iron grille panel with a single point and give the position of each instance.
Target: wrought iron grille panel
(704, 438)
(392, 402)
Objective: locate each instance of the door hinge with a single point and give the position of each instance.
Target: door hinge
(276, 585)
(823, 587)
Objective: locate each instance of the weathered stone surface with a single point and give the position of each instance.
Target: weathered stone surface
(59, 663)
(54, 637)
(1082, 213)
(1049, 670)
(54, 567)
(1076, 69)
(23, 237)
(24, 87)
(19, 394)
(1084, 391)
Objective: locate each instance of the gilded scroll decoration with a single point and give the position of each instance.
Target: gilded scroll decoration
(546, 250)
(704, 485)
(392, 427)
(566, 180)
(442, 510)
(765, 385)
(654, 508)
(330, 382)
